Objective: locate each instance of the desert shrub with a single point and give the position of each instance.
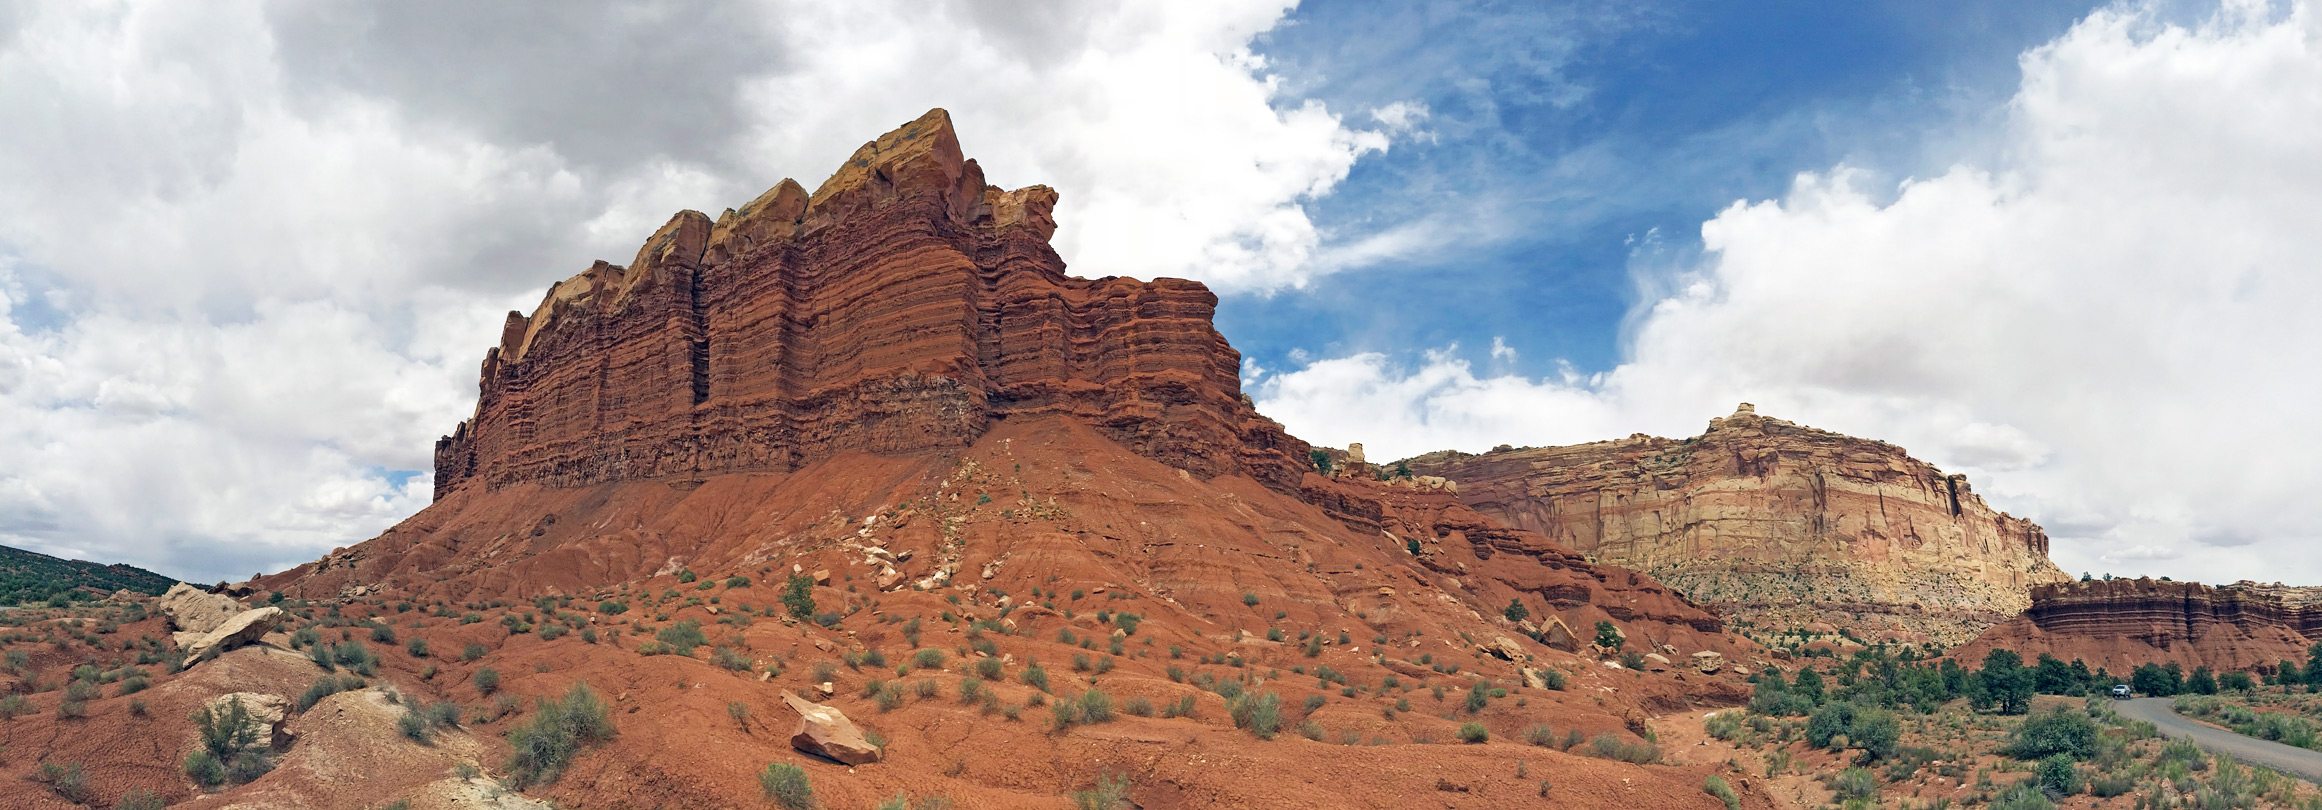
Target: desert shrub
(204, 768)
(785, 785)
(1853, 783)
(416, 647)
(683, 636)
(1478, 694)
(1724, 725)
(1258, 713)
(2024, 796)
(927, 659)
(382, 634)
(1181, 707)
(611, 607)
(1111, 792)
(731, 659)
(1611, 746)
(548, 741)
(988, 669)
(1781, 704)
(412, 725)
(139, 799)
(231, 737)
(925, 688)
(81, 690)
(2061, 731)
(1716, 786)
(2059, 773)
(888, 696)
(1541, 736)
(327, 686)
(1096, 707)
(737, 582)
(2108, 786)
(66, 780)
(471, 652)
(14, 706)
(1035, 677)
(1139, 707)
(1472, 732)
(487, 681)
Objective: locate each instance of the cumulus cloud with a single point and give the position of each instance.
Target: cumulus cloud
(2107, 326)
(251, 252)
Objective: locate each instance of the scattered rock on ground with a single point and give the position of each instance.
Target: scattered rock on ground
(826, 731)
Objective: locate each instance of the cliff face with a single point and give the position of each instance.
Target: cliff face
(903, 305)
(1774, 522)
(2122, 623)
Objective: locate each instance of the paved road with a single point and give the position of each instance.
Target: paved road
(2285, 758)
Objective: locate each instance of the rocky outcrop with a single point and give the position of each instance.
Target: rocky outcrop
(2119, 624)
(193, 613)
(904, 305)
(1775, 523)
(246, 627)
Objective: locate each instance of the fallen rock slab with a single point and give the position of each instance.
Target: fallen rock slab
(193, 612)
(826, 731)
(248, 627)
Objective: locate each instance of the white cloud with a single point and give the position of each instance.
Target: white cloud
(2110, 327)
(251, 254)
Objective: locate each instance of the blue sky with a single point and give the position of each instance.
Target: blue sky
(2062, 248)
(1562, 138)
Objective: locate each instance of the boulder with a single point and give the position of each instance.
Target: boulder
(1708, 662)
(194, 612)
(271, 712)
(1558, 636)
(1534, 679)
(825, 731)
(1507, 648)
(244, 628)
(1658, 661)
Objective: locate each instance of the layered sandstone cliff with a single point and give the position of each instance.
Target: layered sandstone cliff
(1774, 522)
(2119, 624)
(903, 305)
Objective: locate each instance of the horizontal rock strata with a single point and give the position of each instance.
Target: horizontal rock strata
(1773, 522)
(2121, 623)
(903, 305)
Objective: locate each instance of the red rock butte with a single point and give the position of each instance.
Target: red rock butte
(2121, 623)
(904, 305)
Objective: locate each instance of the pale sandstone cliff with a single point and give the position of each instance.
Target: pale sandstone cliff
(1775, 523)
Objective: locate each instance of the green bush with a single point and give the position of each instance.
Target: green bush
(544, 745)
(1111, 792)
(205, 769)
(1472, 732)
(1716, 786)
(487, 681)
(988, 669)
(2062, 731)
(1035, 677)
(327, 686)
(1854, 783)
(139, 799)
(683, 636)
(417, 647)
(927, 659)
(2059, 773)
(798, 596)
(785, 785)
(471, 652)
(1258, 713)
(2024, 796)
(1096, 707)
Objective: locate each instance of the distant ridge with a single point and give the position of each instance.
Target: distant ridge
(27, 576)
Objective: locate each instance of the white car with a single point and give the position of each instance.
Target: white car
(2120, 692)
